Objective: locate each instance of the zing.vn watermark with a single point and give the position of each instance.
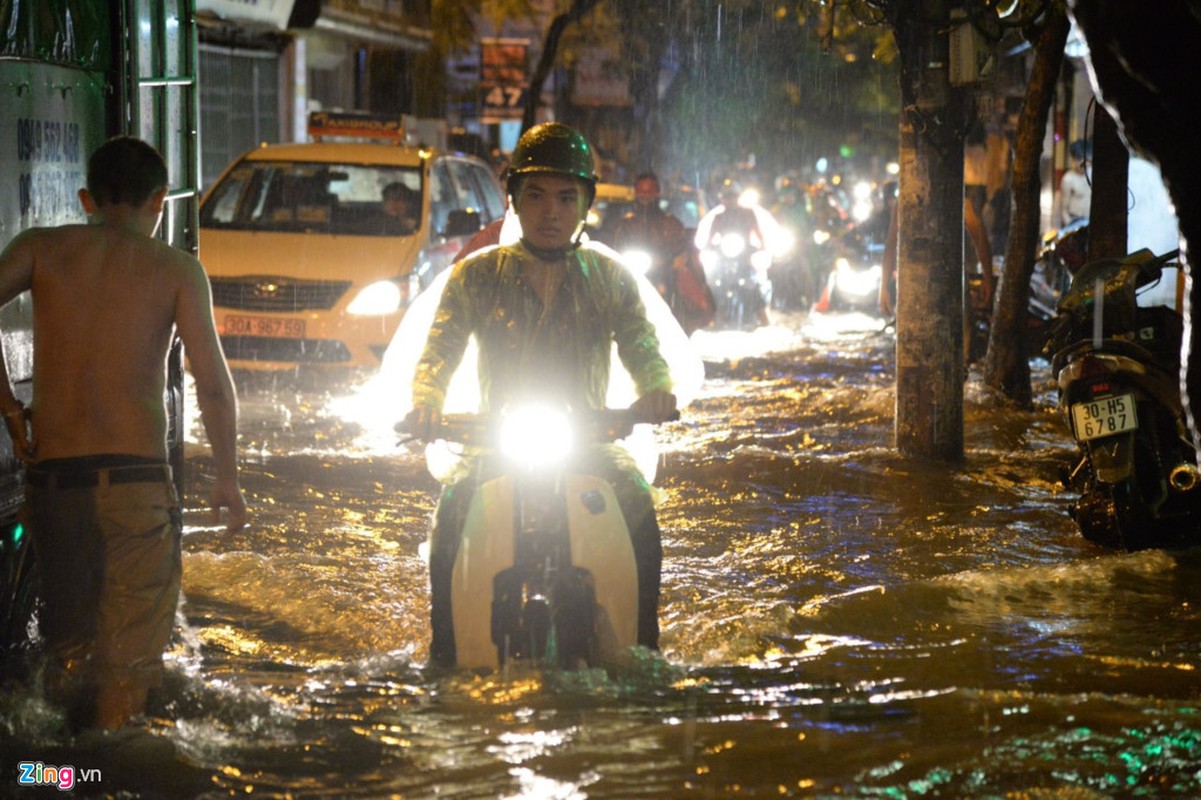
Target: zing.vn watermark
(35, 773)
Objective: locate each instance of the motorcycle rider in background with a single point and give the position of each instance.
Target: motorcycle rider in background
(830, 222)
(753, 224)
(874, 235)
(794, 284)
(545, 313)
(675, 268)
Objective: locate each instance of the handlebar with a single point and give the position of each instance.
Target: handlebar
(1148, 266)
(1120, 347)
(595, 425)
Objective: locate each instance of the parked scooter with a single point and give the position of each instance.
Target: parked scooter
(1060, 255)
(1117, 368)
(545, 570)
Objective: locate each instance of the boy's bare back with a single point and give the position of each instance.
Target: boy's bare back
(106, 298)
(105, 306)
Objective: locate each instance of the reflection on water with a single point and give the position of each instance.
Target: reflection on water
(837, 620)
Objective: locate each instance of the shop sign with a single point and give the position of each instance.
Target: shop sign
(270, 12)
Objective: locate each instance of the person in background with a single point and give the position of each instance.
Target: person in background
(888, 262)
(101, 505)
(545, 313)
(794, 284)
(402, 206)
(1075, 187)
(731, 218)
(975, 196)
(675, 268)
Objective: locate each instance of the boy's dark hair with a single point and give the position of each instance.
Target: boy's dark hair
(125, 170)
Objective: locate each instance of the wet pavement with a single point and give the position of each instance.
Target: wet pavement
(837, 620)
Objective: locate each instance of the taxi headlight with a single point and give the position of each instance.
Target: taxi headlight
(381, 297)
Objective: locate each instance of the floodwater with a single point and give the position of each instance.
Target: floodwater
(838, 621)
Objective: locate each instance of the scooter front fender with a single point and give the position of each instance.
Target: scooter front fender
(599, 545)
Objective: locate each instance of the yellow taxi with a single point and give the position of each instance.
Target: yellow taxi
(610, 197)
(308, 263)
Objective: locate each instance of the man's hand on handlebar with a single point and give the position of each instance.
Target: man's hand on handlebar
(423, 423)
(656, 406)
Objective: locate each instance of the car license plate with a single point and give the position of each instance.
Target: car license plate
(271, 327)
(1104, 416)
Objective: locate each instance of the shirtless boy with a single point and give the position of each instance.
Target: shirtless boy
(100, 501)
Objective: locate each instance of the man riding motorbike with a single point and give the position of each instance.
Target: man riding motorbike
(733, 238)
(545, 313)
(794, 283)
(674, 267)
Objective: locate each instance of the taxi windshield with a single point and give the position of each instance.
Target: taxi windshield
(314, 197)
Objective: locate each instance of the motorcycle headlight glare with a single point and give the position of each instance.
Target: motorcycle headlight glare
(859, 282)
(377, 299)
(637, 260)
(732, 245)
(761, 260)
(785, 242)
(536, 436)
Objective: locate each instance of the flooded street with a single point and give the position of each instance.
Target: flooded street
(837, 620)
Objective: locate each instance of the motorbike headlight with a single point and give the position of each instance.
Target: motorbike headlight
(820, 236)
(637, 260)
(785, 241)
(381, 297)
(732, 245)
(536, 436)
(860, 282)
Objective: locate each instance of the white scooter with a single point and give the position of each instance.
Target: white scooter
(545, 570)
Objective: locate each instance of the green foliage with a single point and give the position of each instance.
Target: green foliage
(790, 77)
(760, 78)
(454, 21)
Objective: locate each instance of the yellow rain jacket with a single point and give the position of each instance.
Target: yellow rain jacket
(530, 353)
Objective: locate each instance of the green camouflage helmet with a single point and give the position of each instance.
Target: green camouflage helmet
(552, 148)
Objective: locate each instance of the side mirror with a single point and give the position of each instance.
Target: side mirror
(462, 222)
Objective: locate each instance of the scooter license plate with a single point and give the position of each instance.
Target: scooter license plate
(1104, 416)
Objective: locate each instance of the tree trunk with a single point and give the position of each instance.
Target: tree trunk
(1108, 202)
(1144, 67)
(1006, 364)
(930, 296)
(645, 28)
(550, 50)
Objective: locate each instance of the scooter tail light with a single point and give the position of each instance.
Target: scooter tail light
(1092, 368)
